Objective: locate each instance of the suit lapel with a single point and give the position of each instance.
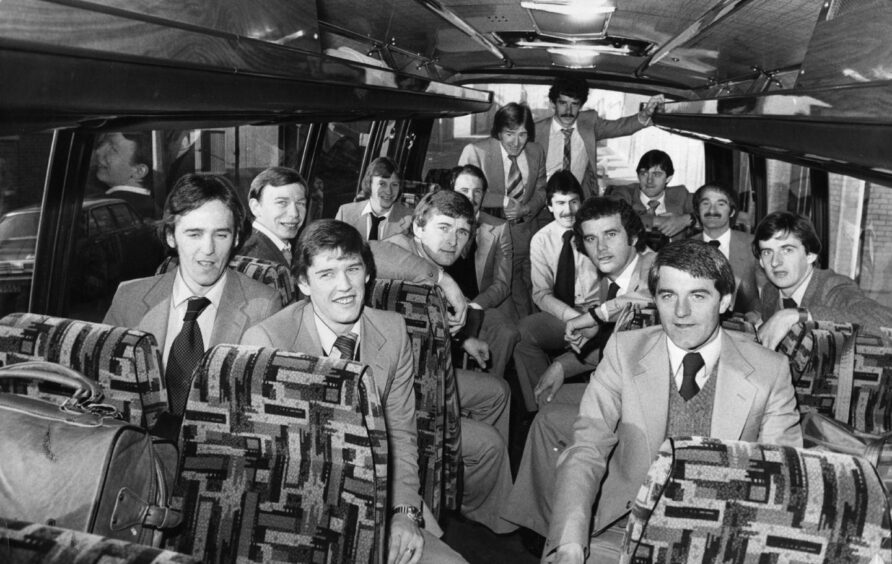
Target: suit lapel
(157, 305)
(586, 128)
(495, 171)
(306, 339)
(485, 240)
(231, 321)
(370, 345)
(651, 374)
(733, 392)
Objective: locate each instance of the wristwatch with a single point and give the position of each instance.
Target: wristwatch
(411, 512)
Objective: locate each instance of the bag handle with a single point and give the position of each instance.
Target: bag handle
(85, 390)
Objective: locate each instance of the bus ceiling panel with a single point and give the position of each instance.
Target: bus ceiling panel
(737, 39)
(850, 45)
(55, 90)
(282, 22)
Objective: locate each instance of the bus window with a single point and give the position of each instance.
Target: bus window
(338, 164)
(23, 164)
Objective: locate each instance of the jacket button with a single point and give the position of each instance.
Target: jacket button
(628, 505)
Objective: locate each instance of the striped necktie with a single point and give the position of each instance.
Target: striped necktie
(568, 132)
(346, 345)
(514, 186)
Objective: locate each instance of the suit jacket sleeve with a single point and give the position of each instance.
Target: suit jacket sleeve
(537, 200)
(396, 263)
(402, 431)
(607, 128)
(780, 422)
(120, 311)
(257, 336)
(581, 467)
(470, 156)
(500, 288)
(843, 301)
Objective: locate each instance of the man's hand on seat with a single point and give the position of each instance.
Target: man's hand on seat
(773, 331)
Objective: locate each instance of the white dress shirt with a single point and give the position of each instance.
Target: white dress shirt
(178, 305)
(367, 214)
(545, 252)
(724, 242)
(327, 337)
(624, 280)
(710, 352)
(554, 160)
(280, 244)
(662, 199)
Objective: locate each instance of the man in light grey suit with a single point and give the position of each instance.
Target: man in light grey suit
(570, 137)
(514, 167)
(201, 222)
(332, 267)
(685, 377)
(716, 209)
(787, 247)
(380, 214)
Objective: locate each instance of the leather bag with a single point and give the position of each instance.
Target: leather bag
(78, 467)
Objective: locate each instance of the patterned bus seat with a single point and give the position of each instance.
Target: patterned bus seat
(283, 459)
(126, 362)
(273, 274)
(22, 542)
(436, 393)
(706, 500)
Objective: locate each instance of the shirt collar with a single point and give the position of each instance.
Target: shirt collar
(181, 292)
(327, 337)
(280, 244)
(799, 292)
(367, 210)
(724, 241)
(710, 353)
(645, 199)
(132, 189)
(558, 127)
(624, 280)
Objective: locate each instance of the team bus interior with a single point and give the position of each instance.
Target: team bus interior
(787, 102)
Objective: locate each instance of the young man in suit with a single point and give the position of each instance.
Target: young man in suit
(685, 377)
(484, 269)
(667, 211)
(514, 167)
(380, 214)
(201, 303)
(565, 285)
(716, 208)
(278, 201)
(612, 236)
(441, 229)
(787, 247)
(570, 136)
(332, 264)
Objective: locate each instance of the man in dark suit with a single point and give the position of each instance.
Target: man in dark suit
(441, 228)
(667, 211)
(716, 208)
(278, 201)
(787, 247)
(611, 235)
(201, 303)
(379, 214)
(124, 164)
(685, 377)
(332, 265)
(570, 137)
(514, 167)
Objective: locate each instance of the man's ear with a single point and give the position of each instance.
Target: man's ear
(140, 171)
(253, 205)
(811, 258)
(303, 285)
(168, 236)
(725, 303)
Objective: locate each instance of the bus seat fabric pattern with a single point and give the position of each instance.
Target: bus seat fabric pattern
(284, 459)
(437, 406)
(273, 274)
(125, 362)
(841, 373)
(22, 541)
(706, 500)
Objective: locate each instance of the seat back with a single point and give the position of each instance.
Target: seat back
(273, 274)
(22, 542)
(284, 459)
(707, 500)
(436, 393)
(126, 362)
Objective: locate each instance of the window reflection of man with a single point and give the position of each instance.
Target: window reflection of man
(124, 164)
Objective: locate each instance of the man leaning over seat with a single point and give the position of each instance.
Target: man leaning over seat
(333, 268)
(685, 377)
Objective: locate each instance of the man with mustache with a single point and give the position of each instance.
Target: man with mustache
(716, 207)
(787, 247)
(565, 285)
(515, 171)
(570, 136)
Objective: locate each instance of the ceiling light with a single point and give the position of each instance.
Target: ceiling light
(580, 8)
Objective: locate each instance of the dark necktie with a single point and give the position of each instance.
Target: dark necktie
(286, 252)
(652, 206)
(565, 277)
(514, 186)
(612, 290)
(185, 352)
(373, 230)
(346, 345)
(789, 303)
(715, 243)
(692, 363)
(568, 132)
